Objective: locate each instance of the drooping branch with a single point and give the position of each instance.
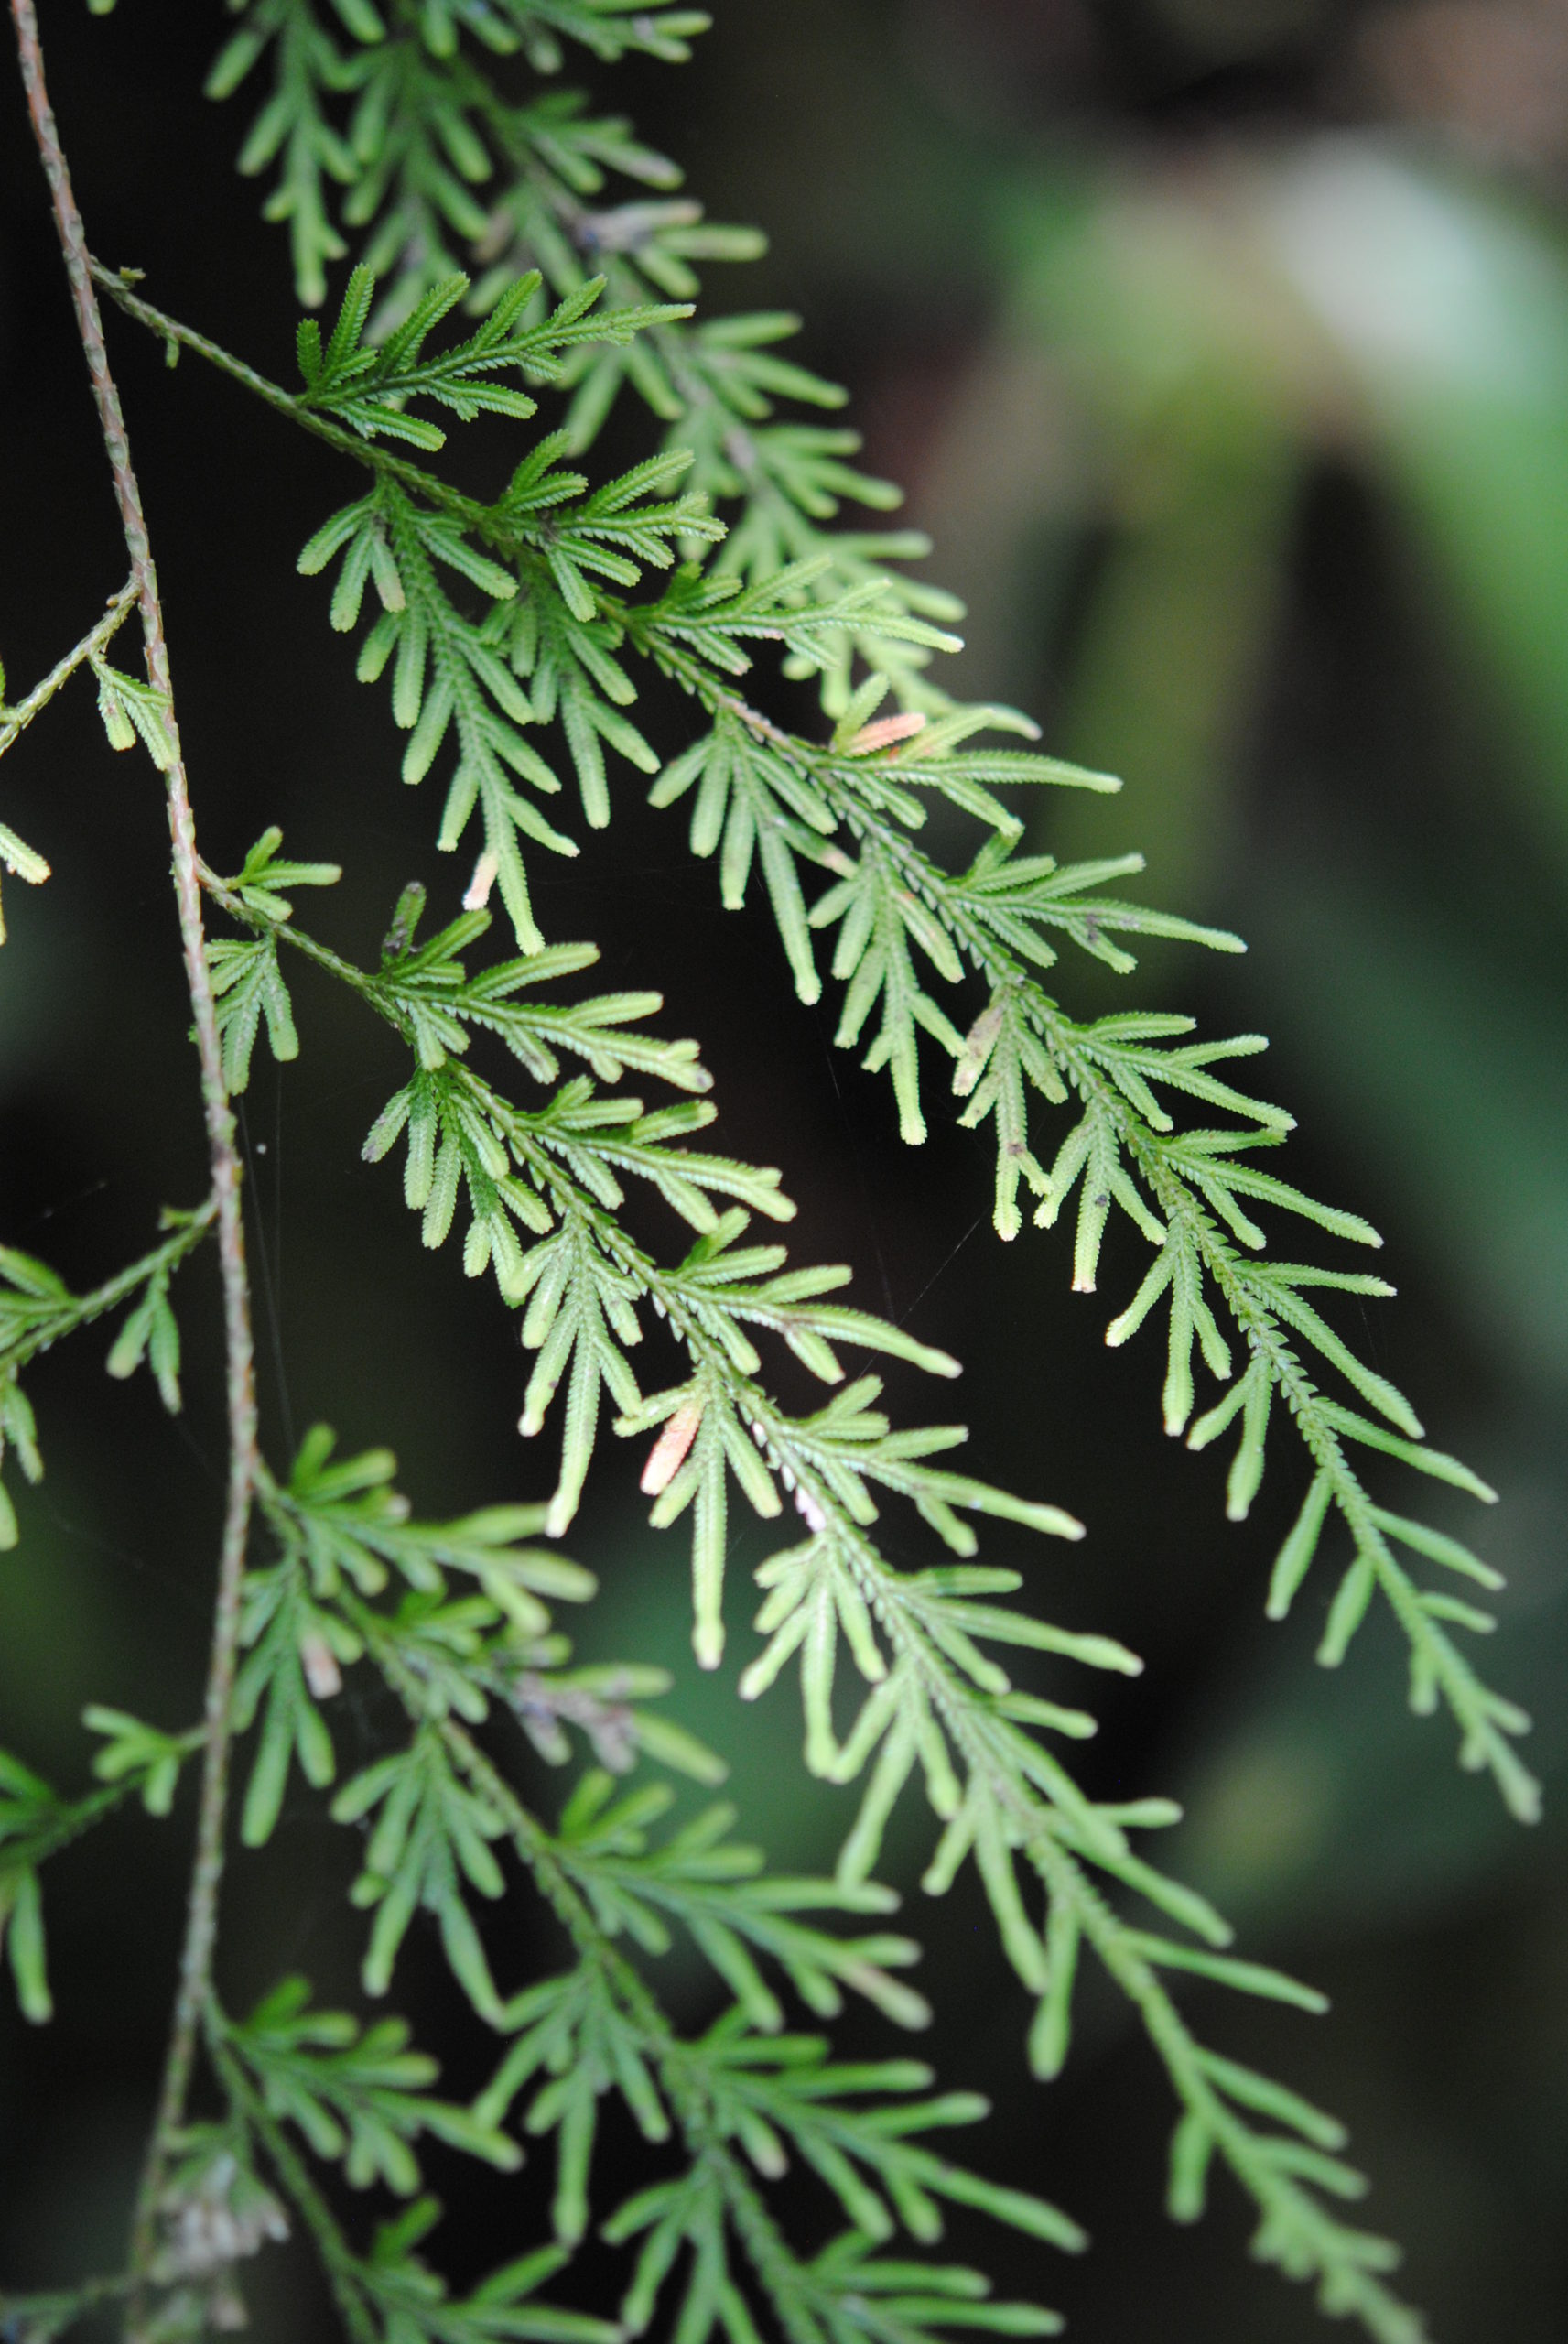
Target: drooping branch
(196, 1959)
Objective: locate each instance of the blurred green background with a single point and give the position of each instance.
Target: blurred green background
(1223, 348)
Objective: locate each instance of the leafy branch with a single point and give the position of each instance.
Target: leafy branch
(937, 1703)
(407, 132)
(742, 2098)
(22, 861)
(1190, 1192)
(548, 642)
(714, 383)
(358, 2095)
(600, 2029)
(494, 617)
(581, 1283)
(37, 1823)
(367, 385)
(38, 1309)
(896, 911)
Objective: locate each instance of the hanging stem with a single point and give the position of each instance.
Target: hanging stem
(201, 1909)
(16, 721)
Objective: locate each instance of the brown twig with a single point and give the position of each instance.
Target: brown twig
(195, 1957)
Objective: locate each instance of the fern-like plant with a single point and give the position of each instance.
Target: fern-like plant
(521, 257)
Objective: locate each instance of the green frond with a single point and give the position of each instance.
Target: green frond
(20, 1427)
(572, 674)
(847, 2291)
(430, 1845)
(713, 615)
(940, 1707)
(264, 874)
(714, 1888)
(248, 985)
(297, 1648)
(367, 385)
(736, 2098)
(408, 2299)
(293, 128)
(1018, 897)
(37, 1309)
(450, 1141)
(878, 922)
(349, 1525)
(414, 150)
(359, 2097)
(36, 1823)
(1187, 1191)
(139, 1756)
(496, 617)
(132, 711)
(754, 802)
(449, 673)
(429, 993)
(453, 674)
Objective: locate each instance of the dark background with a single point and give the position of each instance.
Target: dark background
(1223, 344)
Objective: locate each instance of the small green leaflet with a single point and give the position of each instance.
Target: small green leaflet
(367, 385)
(360, 2097)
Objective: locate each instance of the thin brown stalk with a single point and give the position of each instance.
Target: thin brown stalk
(202, 1911)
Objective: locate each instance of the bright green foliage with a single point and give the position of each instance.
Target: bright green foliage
(343, 1524)
(33, 1822)
(906, 927)
(429, 993)
(450, 673)
(139, 1756)
(405, 2300)
(36, 1823)
(367, 385)
(36, 1309)
(151, 1333)
(713, 1886)
(559, 1171)
(360, 2096)
(999, 1793)
(777, 2097)
(938, 1707)
(437, 163)
(18, 1425)
(442, 1821)
(781, 2089)
(496, 619)
(410, 2301)
(247, 983)
(430, 1839)
(264, 875)
(412, 154)
(295, 1647)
